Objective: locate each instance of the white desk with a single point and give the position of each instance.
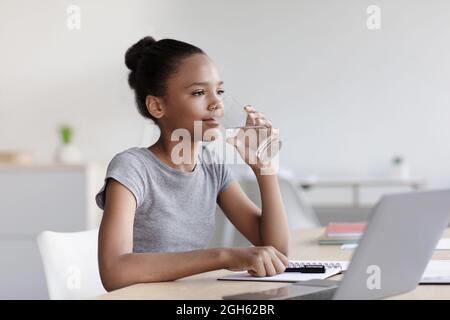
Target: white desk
(357, 183)
(303, 245)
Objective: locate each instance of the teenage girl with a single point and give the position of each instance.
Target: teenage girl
(159, 213)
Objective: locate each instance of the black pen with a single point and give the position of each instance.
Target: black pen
(307, 269)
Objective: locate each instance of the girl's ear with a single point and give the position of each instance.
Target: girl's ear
(155, 106)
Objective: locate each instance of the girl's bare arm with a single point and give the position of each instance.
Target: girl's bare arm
(262, 227)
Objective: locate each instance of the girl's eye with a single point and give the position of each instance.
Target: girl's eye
(198, 93)
(202, 92)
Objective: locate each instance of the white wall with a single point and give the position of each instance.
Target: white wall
(345, 98)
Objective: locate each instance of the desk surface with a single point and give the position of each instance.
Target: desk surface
(303, 247)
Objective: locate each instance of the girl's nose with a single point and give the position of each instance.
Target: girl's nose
(212, 107)
(216, 104)
(216, 109)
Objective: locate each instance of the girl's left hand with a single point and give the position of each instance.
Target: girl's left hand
(247, 140)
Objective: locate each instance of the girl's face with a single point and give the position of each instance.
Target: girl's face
(192, 95)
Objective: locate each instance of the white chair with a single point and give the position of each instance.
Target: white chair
(70, 264)
(300, 213)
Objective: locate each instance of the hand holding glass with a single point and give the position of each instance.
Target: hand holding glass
(248, 131)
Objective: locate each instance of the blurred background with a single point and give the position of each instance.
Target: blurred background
(360, 95)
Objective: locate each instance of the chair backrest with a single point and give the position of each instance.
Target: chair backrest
(70, 264)
(299, 212)
(296, 202)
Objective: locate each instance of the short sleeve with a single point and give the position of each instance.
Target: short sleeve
(222, 173)
(127, 169)
(225, 177)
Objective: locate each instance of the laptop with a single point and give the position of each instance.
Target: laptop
(391, 256)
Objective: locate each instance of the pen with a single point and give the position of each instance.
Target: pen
(307, 269)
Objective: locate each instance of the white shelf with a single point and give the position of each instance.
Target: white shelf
(35, 198)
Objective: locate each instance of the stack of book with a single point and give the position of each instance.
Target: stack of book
(342, 233)
(15, 157)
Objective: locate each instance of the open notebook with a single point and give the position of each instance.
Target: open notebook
(437, 272)
(331, 268)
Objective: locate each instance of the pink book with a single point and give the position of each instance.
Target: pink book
(345, 229)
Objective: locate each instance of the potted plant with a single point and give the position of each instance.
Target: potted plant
(399, 167)
(67, 152)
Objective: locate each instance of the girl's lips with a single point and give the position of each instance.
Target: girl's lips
(211, 122)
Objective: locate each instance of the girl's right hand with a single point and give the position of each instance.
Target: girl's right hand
(258, 261)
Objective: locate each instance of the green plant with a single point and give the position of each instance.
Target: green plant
(397, 160)
(66, 134)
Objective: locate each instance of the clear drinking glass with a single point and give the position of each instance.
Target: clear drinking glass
(264, 142)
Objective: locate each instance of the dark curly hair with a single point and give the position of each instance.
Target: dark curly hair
(151, 63)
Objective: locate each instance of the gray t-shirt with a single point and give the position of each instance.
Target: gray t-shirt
(175, 210)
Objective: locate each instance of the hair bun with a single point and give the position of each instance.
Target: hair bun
(135, 52)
